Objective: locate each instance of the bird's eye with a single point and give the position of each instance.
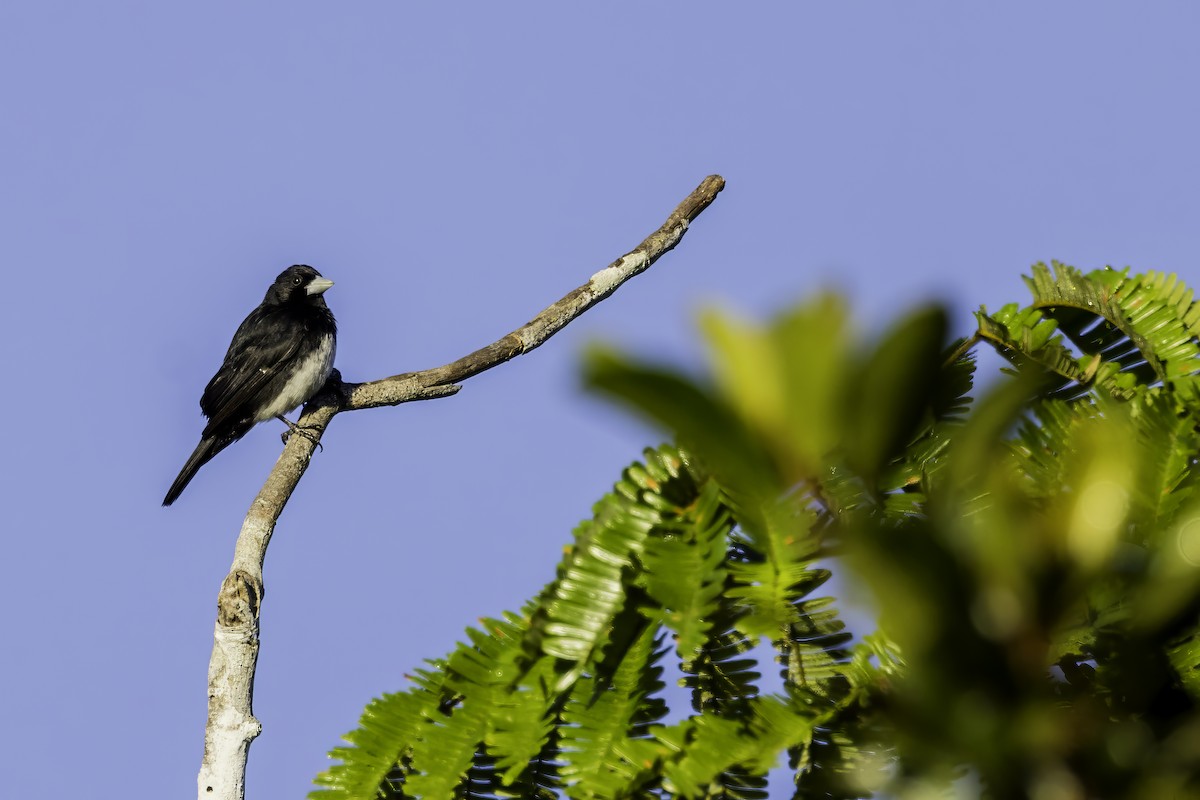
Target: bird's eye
(296, 281)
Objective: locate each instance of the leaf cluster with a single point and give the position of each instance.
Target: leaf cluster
(1033, 559)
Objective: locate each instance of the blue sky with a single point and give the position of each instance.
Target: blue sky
(455, 168)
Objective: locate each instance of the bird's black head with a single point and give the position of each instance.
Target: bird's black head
(298, 283)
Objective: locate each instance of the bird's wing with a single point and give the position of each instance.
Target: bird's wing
(265, 344)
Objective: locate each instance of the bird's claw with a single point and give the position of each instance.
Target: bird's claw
(302, 430)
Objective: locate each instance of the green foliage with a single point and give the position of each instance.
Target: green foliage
(1033, 559)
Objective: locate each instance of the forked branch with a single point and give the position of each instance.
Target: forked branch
(231, 723)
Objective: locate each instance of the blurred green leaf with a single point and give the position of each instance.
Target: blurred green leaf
(894, 386)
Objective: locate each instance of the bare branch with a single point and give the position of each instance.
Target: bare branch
(231, 723)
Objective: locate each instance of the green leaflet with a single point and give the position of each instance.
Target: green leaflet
(655, 500)
(709, 750)
(1127, 330)
(685, 574)
(605, 747)
(375, 747)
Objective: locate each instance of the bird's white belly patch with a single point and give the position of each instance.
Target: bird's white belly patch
(307, 378)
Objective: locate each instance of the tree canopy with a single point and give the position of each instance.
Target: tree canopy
(1034, 557)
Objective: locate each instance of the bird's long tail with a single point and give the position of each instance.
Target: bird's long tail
(209, 446)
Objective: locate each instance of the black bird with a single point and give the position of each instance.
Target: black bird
(279, 358)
